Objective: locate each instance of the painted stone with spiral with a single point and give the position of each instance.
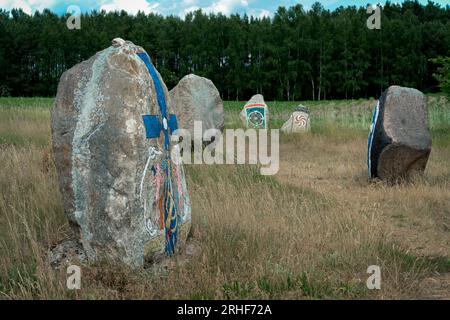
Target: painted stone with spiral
(299, 121)
(125, 197)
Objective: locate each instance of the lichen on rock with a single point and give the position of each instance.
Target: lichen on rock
(107, 178)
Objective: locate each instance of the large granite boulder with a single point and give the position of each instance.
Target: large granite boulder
(299, 121)
(255, 113)
(112, 177)
(399, 142)
(197, 99)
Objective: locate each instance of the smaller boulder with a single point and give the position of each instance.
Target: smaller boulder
(298, 122)
(66, 253)
(197, 99)
(255, 113)
(399, 141)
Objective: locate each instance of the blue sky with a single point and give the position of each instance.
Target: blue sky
(181, 7)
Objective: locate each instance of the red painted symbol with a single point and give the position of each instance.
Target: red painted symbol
(300, 120)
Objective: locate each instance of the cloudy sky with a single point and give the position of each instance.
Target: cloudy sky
(181, 7)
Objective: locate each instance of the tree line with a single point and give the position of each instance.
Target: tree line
(297, 54)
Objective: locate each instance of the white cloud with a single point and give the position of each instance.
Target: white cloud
(28, 6)
(226, 6)
(180, 7)
(260, 13)
(16, 4)
(189, 9)
(189, 3)
(130, 6)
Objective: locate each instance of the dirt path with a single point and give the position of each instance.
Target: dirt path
(436, 287)
(415, 216)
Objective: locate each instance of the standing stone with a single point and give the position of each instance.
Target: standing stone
(111, 176)
(399, 142)
(298, 122)
(255, 113)
(197, 99)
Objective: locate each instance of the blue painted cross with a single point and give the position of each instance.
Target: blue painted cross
(153, 128)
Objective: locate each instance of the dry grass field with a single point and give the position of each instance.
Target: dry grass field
(310, 232)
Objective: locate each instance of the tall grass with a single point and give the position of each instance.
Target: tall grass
(341, 114)
(310, 232)
(26, 103)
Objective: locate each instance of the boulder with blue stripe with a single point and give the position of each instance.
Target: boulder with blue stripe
(124, 194)
(399, 141)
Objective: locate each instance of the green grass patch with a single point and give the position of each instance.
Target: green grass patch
(18, 139)
(26, 103)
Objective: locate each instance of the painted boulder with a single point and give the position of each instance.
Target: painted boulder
(299, 121)
(125, 197)
(399, 141)
(197, 99)
(255, 113)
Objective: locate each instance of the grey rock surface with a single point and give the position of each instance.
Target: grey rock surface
(400, 141)
(197, 99)
(102, 154)
(299, 121)
(66, 253)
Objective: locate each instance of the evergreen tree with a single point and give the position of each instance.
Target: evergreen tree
(296, 55)
(443, 74)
